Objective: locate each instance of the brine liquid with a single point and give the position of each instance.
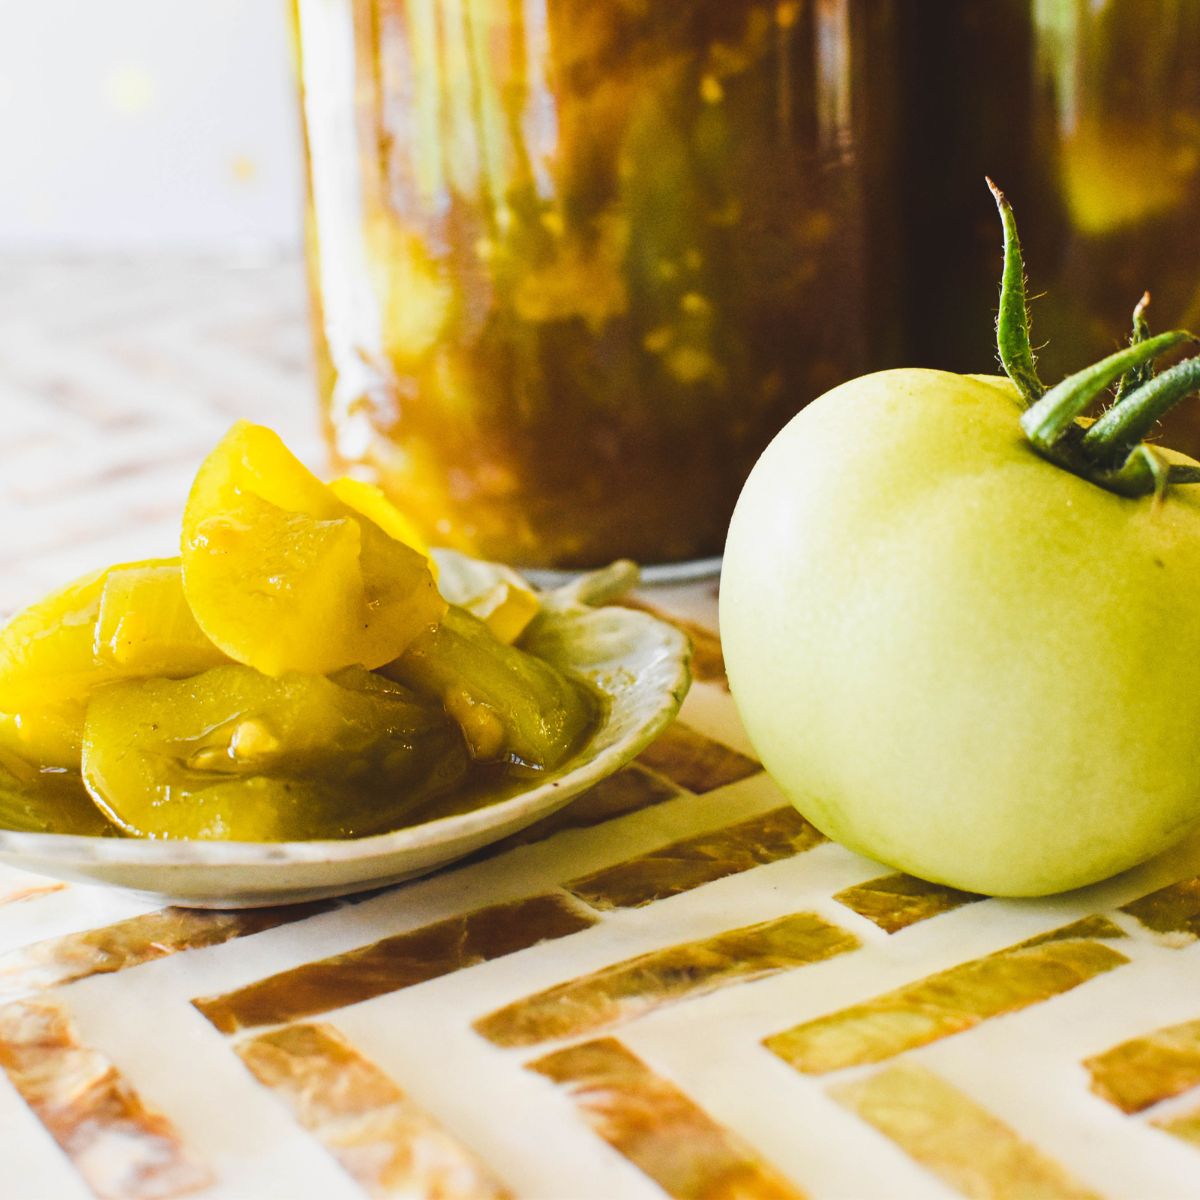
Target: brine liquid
(574, 262)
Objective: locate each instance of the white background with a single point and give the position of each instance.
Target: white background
(147, 123)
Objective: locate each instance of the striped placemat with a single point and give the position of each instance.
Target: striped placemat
(675, 986)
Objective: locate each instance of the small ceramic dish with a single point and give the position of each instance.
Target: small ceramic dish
(639, 663)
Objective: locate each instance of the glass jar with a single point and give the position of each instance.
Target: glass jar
(1117, 135)
(1087, 113)
(574, 262)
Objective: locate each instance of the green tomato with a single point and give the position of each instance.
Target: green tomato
(957, 657)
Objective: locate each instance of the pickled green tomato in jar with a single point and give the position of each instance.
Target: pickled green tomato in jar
(574, 262)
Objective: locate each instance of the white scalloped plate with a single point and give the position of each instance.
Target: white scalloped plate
(641, 664)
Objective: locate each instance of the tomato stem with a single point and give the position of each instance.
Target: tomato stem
(1136, 376)
(1012, 320)
(1110, 453)
(1055, 413)
(1111, 439)
(1146, 471)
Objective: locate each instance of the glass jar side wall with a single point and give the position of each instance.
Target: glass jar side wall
(594, 253)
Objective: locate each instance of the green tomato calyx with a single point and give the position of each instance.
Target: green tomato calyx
(1012, 321)
(1111, 452)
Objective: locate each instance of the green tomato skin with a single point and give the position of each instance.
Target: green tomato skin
(955, 657)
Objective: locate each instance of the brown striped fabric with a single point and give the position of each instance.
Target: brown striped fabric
(129, 943)
(1183, 1125)
(116, 378)
(696, 762)
(640, 985)
(951, 1135)
(894, 902)
(691, 862)
(30, 892)
(384, 1141)
(1144, 1070)
(951, 1001)
(1172, 912)
(658, 1128)
(395, 963)
(123, 1150)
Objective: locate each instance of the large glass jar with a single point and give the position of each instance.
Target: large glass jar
(574, 262)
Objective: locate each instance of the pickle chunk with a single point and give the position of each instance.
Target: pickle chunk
(284, 576)
(234, 754)
(506, 609)
(46, 650)
(37, 799)
(369, 500)
(144, 625)
(128, 621)
(49, 735)
(511, 706)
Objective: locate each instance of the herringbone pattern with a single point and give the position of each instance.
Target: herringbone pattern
(675, 986)
(115, 379)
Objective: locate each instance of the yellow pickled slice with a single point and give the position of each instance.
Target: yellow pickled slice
(46, 650)
(284, 576)
(127, 621)
(235, 754)
(50, 736)
(46, 800)
(510, 705)
(144, 625)
(284, 607)
(506, 609)
(371, 501)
